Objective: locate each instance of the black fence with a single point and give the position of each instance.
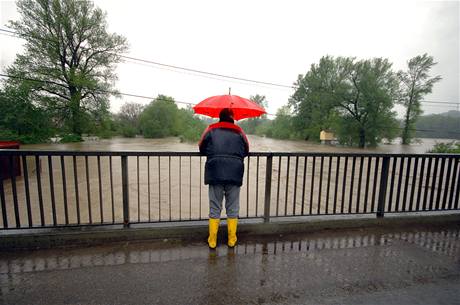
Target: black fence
(75, 188)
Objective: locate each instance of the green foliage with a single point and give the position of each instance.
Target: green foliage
(250, 125)
(315, 102)
(265, 129)
(99, 123)
(444, 125)
(69, 138)
(281, 127)
(348, 131)
(352, 98)
(128, 131)
(128, 119)
(8, 135)
(21, 120)
(415, 83)
(70, 52)
(190, 127)
(446, 148)
(105, 133)
(161, 118)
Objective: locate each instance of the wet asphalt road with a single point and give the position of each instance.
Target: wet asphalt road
(373, 266)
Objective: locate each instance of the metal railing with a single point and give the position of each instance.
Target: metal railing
(76, 188)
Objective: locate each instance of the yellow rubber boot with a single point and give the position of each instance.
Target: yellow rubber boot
(213, 228)
(231, 229)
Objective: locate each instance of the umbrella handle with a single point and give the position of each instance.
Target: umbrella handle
(229, 90)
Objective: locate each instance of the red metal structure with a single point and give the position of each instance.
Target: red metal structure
(5, 171)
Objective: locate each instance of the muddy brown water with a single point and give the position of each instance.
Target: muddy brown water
(171, 188)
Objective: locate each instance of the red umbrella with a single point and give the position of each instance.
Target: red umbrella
(242, 108)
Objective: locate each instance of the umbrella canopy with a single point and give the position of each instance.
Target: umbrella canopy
(242, 108)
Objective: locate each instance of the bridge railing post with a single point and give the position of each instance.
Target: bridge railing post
(125, 190)
(268, 187)
(383, 187)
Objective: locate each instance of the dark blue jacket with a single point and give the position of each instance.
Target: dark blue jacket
(225, 146)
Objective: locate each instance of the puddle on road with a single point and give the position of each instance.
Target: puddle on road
(392, 252)
(443, 242)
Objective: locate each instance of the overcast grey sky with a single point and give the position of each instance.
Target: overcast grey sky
(271, 41)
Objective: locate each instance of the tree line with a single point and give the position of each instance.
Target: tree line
(444, 125)
(60, 85)
(161, 118)
(355, 99)
(62, 82)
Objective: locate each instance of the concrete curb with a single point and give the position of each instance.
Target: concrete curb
(198, 231)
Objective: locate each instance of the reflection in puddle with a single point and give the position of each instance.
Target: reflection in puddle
(445, 242)
(324, 251)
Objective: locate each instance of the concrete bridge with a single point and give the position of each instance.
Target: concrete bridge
(396, 261)
(316, 228)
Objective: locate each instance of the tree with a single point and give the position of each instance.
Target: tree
(250, 125)
(259, 100)
(415, 83)
(190, 126)
(353, 98)
(70, 52)
(315, 102)
(444, 125)
(281, 127)
(20, 119)
(160, 118)
(128, 119)
(130, 112)
(367, 98)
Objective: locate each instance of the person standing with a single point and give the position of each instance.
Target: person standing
(225, 145)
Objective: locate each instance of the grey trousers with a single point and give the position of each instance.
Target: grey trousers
(232, 200)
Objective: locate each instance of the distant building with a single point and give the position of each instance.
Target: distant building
(327, 137)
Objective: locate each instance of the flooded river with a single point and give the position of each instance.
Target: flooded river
(257, 144)
(89, 190)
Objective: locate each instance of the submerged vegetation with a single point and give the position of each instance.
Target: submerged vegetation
(161, 118)
(446, 148)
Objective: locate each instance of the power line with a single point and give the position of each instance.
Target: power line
(426, 130)
(444, 107)
(193, 74)
(187, 103)
(143, 96)
(146, 61)
(11, 32)
(107, 91)
(210, 75)
(445, 103)
(9, 35)
(142, 62)
(97, 90)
